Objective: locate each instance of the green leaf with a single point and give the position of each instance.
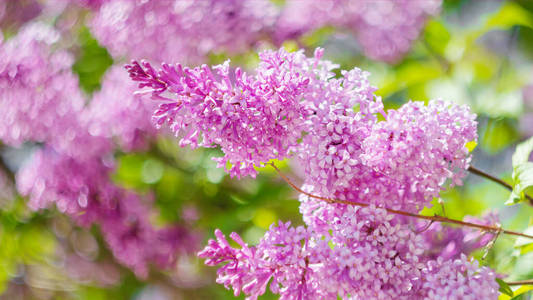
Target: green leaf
(522, 180)
(509, 15)
(408, 75)
(522, 171)
(522, 152)
(437, 36)
(471, 146)
(525, 244)
(504, 287)
(522, 290)
(92, 62)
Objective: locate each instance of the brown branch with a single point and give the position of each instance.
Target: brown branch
(478, 172)
(400, 212)
(521, 282)
(5, 169)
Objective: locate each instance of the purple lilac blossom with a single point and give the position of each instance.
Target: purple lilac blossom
(385, 29)
(41, 101)
(346, 152)
(115, 111)
(185, 31)
(14, 14)
(458, 279)
(351, 156)
(367, 254)
(350, 251)
(39, 94)
(135, 242)
(285, 255)
(422, 146)
(253, 118)
(452, 242)
(81, 188)
(79, 185)
(76, 186)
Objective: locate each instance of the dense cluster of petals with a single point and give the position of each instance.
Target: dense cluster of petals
(367, 253)
(15, 13)
(71, 183)
(116, 112)
(458, 279)
(291, 105)
(420, 147)
(252, 118)
(39, 94)
(40, 101)
(81, 188)
(187, 31)
(452, 242)
(347, 153)
(385, 29)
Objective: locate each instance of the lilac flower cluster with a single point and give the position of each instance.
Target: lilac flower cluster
(348, 154)
(81, 188)
(15, 13)
(36, 87)
(458, 279)
(332, 125)
(188, 31)
(41, 102)
(115, 111)
(418, 140)
(252, 118)
(368, 253)
(385, 29)
(169, 30)
(451, 242)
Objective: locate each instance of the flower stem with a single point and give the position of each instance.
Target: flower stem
(7, 172)
(521, 282)
(478, 172)
(441, 219)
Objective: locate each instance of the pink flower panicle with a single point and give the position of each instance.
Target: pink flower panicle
(367, 253)
(81, 188)
(187, 31)
(419, 147)
(252, 118)
(135, 242)
(40, 94)
(458, 279)
(452, 242)
(401, 162)
(116, 112)
(41, 102)
(385, 29)
(351, 156)
(284, 257)
(71, 183)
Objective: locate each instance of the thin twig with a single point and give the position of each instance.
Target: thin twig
(478, 172)
(521, 282)
(5, 169)
(400, 212)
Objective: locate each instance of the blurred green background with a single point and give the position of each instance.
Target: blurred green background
(478, 53)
